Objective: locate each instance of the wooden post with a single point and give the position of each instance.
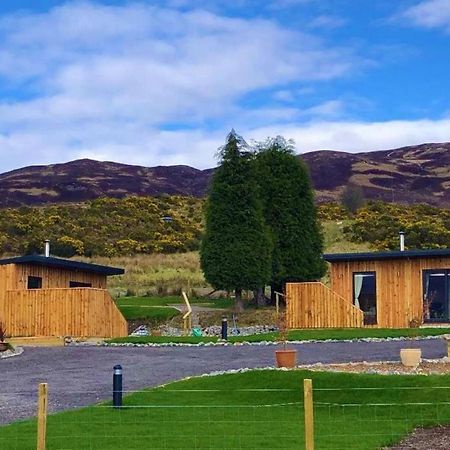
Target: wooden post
(309, 414)
(277, 301)
(42, 416)
(187, 318)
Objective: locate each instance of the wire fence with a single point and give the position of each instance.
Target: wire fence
(170, 419)
(328, 418)
(367, 418)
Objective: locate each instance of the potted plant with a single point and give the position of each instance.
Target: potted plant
(285, 357)
(411, 357)
(3, 344)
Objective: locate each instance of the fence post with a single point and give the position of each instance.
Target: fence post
(42, 416)
(309, 414)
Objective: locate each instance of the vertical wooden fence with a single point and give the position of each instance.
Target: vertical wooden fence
(314, 305)
(80, 312)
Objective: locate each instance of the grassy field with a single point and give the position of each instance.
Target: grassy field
(299, 335)
(156, 274)
(335, 240)
(253, 410)
(158, 309)
(159, 274)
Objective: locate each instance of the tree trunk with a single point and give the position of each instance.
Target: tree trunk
(260, 297)
(238, 302)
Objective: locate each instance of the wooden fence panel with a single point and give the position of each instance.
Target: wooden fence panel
(80, 312)
(314, 305)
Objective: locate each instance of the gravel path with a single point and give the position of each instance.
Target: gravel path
(79, 376)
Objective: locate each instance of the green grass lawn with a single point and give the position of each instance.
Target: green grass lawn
(299, 335)
(253, 410)
(157, 307)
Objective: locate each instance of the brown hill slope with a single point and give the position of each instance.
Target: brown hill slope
(415, 174)
(411, 174)
(87, 179)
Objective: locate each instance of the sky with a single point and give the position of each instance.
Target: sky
(162, 82)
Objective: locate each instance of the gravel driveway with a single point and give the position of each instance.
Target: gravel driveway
(78, 376)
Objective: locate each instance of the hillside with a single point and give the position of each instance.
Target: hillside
(85, 179)
(416, 174)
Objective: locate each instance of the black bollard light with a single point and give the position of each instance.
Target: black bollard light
(117, 386)
(224, 333)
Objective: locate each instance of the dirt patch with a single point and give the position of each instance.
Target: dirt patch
(435, 438)
(427, 367)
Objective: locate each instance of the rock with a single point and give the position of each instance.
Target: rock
(140, 331)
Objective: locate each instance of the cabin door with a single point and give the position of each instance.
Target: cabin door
(436, 295)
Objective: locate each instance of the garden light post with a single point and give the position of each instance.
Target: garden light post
(224, 331)
(117, 386)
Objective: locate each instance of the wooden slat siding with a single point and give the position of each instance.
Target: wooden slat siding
(52, 277)
(399, 286)
(314, 305)
(80, 312)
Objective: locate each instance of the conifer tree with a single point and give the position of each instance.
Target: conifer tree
(235, 250)
(290, 214)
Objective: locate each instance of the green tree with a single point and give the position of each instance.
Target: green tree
(235, 250)
(352, 198)
(290, 214)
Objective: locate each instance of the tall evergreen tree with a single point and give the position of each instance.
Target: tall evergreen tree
(290, 214)
(235, 250)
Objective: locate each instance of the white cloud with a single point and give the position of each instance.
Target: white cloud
(429, 14)
(360, 136)
(106, 81)
(328, 109)
(197, 148)
(327, 22)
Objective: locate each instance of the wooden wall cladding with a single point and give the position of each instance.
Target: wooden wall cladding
(52, 277)
(80, 312)
(314, 305)
(399, 286)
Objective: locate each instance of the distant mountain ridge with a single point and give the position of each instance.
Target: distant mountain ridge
(414, 174)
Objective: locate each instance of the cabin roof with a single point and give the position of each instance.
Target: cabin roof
(378, 256)
(61, 263)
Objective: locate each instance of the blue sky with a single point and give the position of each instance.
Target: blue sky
(163, 82)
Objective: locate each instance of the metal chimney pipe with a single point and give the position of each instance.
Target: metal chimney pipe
(47, 248)
(402, 241)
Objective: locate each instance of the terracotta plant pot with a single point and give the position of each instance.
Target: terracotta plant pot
(410, 357)
(286, 358)
(3, 346)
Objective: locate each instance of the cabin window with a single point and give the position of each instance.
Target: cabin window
(34, 282)
(436, 295)
(77, 284)
(365, 295)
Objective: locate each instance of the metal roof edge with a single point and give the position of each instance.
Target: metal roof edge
(418, 253)
(63, 263)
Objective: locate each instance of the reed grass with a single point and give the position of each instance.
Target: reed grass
(169, 274)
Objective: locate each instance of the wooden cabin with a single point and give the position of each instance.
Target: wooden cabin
(396, 289)
(47, 296)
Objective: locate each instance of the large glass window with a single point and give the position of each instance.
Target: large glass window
(34, 282)
(436, 295)
(365, 295)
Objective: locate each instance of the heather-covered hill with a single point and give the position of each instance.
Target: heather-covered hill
(416, 174)
(86, 179)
